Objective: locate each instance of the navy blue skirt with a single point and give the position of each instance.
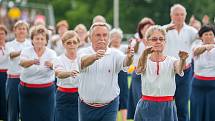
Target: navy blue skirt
(123, 85)
(37, 104)
(66, 106)
(134, 94)
(155, 111)
(3, 78)
(202, 100)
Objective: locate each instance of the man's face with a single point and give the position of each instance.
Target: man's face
(178, 16)
(100, 38)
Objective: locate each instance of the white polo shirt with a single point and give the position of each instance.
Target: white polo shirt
(4, 57)
(159, 81)
(204, 64)
(14, 46)
(63, 63)
(37, 74)
(180, 41)
(99, 81)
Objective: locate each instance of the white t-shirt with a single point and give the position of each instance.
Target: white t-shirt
(15, 46)
(180, 41)
(63, 63)
(99, 81)
(159, 80)
(38, 74)
(4, 57)
(204, 64)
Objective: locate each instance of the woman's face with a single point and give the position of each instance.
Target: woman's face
(115, 40)
(21, 32)
(39, 41)
(71, 44)
(157, 41)
(208, 37)
(2, 36)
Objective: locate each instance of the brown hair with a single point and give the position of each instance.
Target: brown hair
(145, 21)
(68, 35)
(62, 23)
(39, 29)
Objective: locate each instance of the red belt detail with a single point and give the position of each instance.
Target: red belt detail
(36, 85)
(13, 76)
(71, 90)
(158, 99)
(203, 77)
(3, 70)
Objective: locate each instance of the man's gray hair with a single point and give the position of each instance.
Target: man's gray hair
(116, 31)
(98, 24)
(175, 6)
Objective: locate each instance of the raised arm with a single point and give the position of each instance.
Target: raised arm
(180, 65)
(28, 63)
(141, 67)
(129, 57)
(90, 59)
(65, 74)
(15, 54)
(199, 50)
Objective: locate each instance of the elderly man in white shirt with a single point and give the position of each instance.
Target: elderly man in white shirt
(99, 68)
(180, 36)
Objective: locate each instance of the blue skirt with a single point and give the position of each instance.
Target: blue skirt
(12, 99)
(66, 106)
(3, 78)
(202, 100)
(123, 85)
(134, 95)
(37, 104)
(155, 111)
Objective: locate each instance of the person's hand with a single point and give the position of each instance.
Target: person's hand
(99, 54)
(183, 55)
(74, 73)
(171, 27)
(130, 51)
(148, 50)
(209, 47)
(36, 62)
(48, 64)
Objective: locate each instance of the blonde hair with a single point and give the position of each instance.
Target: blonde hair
(21, 23)
(154, 28)
(69, 35)
(62, 23)
(80, 26)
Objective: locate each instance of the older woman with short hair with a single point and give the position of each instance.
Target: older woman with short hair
(158, 79)
(36, 89)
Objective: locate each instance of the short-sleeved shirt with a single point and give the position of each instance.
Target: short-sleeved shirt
(159, 80)
(204, 64)
(4, 57)
(180, 41)
(15, 46)
(99, 81)
(63, 63)
(38, 74)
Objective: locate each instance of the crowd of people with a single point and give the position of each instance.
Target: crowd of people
(81, 75)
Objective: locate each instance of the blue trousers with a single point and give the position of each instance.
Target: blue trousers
(12, 99)
(182, 94)
(123, 85)
(202, 100)
(134, 95)
(37, 104)
(3, 78)
(155, 111)
(105, 113)
(66, 106)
